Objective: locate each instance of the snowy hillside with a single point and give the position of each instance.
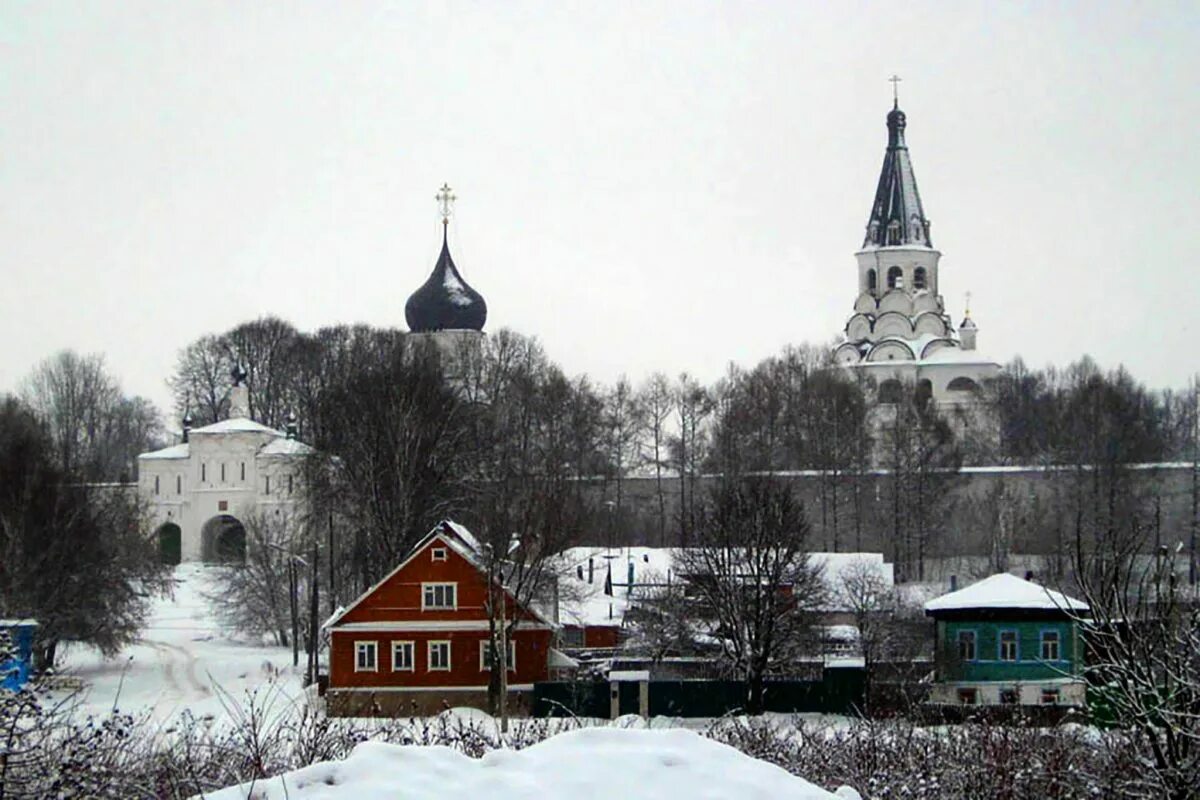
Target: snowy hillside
(578, 765)
(182, 661)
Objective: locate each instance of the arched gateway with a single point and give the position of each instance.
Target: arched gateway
(223, 540)
(170, 544)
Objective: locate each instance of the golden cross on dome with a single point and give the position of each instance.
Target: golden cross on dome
(895, 81)
(968, 308)
(446, 202)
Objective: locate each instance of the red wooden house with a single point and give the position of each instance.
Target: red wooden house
(418, 640)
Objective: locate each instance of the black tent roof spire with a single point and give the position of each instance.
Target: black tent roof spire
(897, 216)
(445, 301)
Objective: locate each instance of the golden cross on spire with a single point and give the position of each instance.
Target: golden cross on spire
(968, 308)
(446, 202)
(895, 81)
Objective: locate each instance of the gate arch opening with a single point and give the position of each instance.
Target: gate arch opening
(223, 540)
(170, 544)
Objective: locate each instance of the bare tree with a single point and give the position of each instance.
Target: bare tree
(658, 403)
(201, 382)
(693, 405)
(863, 590)
(923, 461)
(392, 453)
(531, 446)
(1143, 633)
(752, 571)
(74, 557)
(97, 431)
(260, 596)
(622, 424)
(662, 620)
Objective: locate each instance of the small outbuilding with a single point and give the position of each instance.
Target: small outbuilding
(16, 660)
(1008, 641)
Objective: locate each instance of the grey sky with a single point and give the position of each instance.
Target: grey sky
(643, 186)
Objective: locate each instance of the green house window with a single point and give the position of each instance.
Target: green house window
(1050, 650)
(1008, 645)
(966, 645)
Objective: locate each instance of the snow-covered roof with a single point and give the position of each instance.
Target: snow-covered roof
(836, 567)
(584, 603)
(1005, 591)
(560, 660)
(285, 447)
(467, 537)
(236, 425)
(956, 355)
(174, 451)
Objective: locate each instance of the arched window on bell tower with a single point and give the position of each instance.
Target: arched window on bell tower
(872, 282)
(919, 279)
(895, 277)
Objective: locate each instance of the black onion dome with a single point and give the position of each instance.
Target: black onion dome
(445, 301)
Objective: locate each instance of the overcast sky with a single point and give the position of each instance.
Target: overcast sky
(642, 186)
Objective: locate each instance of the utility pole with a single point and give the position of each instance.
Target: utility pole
(503, 658)
(1195, 480)
(294, 603)
(329, 550)
(314, 625)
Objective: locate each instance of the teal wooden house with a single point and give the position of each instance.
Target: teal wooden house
(1008, 641)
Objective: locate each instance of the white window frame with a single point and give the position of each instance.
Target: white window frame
(1056, 641)
(361, 647)
(963, 637)
(400, 646)
(438, 554)
(1001, 642)
(431, 587)
(484, 649)
(432, 646)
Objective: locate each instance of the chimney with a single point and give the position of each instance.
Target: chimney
(187, 426)
(1028, 574)
(954, 583)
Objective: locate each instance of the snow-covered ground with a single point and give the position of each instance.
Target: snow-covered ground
(576, 765)
(182, 661)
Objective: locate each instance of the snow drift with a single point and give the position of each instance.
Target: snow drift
(577, 765)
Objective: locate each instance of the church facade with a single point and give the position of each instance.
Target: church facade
(201, 494)
(900, 332)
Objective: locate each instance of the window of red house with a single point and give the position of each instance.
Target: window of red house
(485, 655)
(439, 596)
(439, 656)
(366, 656)
(402, 657)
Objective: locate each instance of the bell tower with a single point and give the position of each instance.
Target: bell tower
(898, 312)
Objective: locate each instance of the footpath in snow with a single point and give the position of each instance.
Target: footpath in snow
(183, 660)
(585, 764)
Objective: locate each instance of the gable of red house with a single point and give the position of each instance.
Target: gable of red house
(424, 627)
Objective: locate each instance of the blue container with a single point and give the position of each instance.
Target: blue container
(14, 670)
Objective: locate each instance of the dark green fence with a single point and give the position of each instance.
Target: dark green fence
(840, 691)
